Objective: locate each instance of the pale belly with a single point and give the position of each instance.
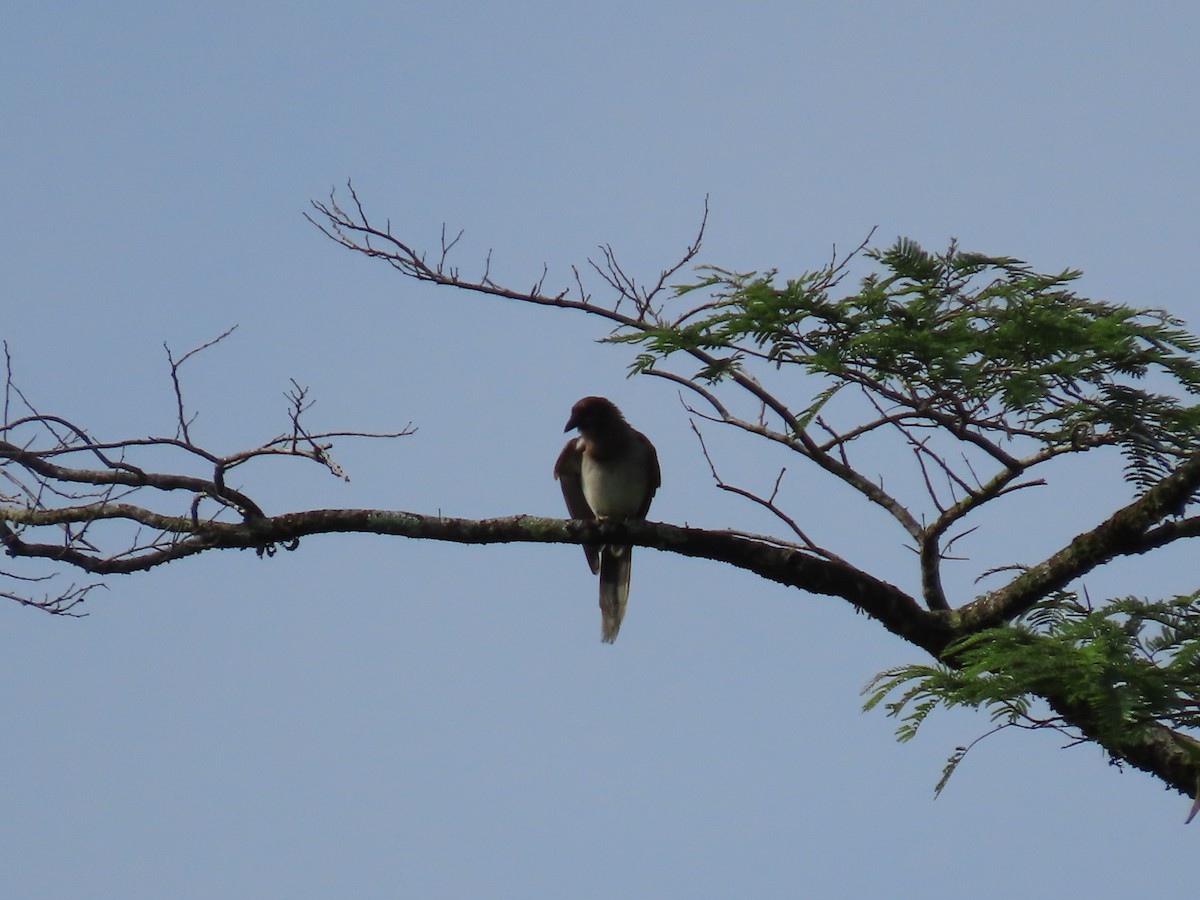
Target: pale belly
(616, 491)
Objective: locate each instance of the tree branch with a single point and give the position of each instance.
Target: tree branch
(355, 232)
(1128, 531)
(787, 566)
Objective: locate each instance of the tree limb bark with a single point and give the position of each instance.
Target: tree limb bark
(1127, 531)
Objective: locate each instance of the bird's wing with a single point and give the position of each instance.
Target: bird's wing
(569, 472)
(655, 479)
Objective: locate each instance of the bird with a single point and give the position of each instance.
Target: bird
(609, 471)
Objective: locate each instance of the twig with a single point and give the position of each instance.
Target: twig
(767, 503)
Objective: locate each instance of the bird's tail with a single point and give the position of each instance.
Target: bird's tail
(615, 567)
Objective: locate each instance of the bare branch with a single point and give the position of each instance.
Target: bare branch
(356, 233)
(183, 421)
(689, 254)
(40, 456)
(767, 503)
(63, 603)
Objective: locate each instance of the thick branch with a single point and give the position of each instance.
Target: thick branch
(1153, 748)
(897, 611)
(1127, 531)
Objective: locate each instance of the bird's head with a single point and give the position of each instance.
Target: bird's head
(593, 413)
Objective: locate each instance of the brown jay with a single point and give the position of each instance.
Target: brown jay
(609, 471)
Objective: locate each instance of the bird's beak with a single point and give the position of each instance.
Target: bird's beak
(571, 423)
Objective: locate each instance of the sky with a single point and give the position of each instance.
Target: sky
(376, 717)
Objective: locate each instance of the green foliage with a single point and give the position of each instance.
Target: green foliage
(1126, 664)
(1021, 369)
(1156, 430)
(982, 343)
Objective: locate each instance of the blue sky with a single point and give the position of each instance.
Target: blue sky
(373, 717)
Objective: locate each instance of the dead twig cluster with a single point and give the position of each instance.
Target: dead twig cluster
(74, 498)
